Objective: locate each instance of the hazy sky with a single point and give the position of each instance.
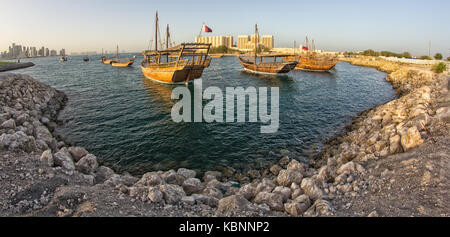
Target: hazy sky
(90, 25)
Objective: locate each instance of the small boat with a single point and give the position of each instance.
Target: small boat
(103, 57)
(179, 64)
(259, 64)
(86, 59)
(63, 59)
(121, 62)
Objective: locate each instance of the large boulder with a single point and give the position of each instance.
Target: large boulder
(172, 193)
(186, 173)
(42, 133)
(274, 200)
(150, 179)
(170, 177)
(410, 138)
(266, 185)
(311, 189)
(87, 165)
(285, 192)
(248, 191)
(102, 174)
(233, 205)
(287, 177)
(64, 160)
(212, 192)
(192, 185)
(9, 124)
(77, 152)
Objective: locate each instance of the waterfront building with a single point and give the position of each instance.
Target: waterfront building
(267, 41)
(216, 41)
(246, 42)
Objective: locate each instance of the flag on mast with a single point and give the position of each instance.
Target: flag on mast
(206, 29)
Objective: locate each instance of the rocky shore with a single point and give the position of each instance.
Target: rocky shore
(41, 175)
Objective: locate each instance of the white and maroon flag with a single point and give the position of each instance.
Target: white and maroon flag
(206, 29)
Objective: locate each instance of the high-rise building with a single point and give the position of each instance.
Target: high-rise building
(216, 41)
(62, 52)
(47, 52)
(243, 41)
(267, 41)
(249, 41)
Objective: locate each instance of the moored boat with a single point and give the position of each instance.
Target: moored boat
(121, 62)
(259, 63)
(179, 64)
(311, 60)
(63, 59)
(86, 59)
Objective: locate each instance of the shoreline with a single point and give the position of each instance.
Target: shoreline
(287, 188)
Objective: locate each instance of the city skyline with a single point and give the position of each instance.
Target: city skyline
(82, 26)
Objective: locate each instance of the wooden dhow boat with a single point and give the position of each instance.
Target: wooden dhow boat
(121, 62)
(258, 64)
(179, 64)
(312, 61)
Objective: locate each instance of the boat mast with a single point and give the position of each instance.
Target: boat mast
(167, 42)
(156, 32)
(256, 43)
(117, 52)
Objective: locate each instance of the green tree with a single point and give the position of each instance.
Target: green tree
(426, 58)
(448, 59)
(438, 56)
(406, 55)
(439, 68)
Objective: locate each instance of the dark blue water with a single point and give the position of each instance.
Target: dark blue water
(125, 119)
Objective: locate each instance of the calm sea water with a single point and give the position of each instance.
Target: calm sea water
(124, 119)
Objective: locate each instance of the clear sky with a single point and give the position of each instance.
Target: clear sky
(90, 25)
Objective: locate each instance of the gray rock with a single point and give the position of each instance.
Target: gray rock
(77, 152)
(102, 174)
(266, 185)
(188, 200)
(172, 193)
(285, 192)
(203, 199)
(170, 177)
(155, 195)
(287, 177)
(274, 200)
(212, 192)
(186, 173)
(64, 160)
(248, 191)
(192, 185)
(233, 205)
(47, 158)
(150, 179)
(210, 175)
(87, 165)
(9, 124)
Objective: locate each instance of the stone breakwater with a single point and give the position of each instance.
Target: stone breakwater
(70, 182)
(10, 67)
